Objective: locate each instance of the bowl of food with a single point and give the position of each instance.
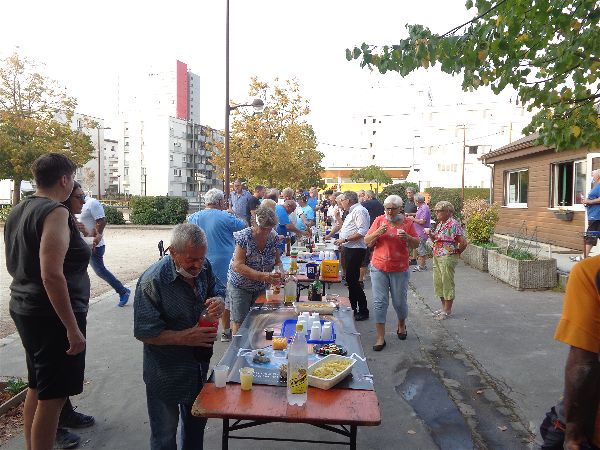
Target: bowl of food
(329, 371)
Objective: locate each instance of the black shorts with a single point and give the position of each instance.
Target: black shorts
(49, 369)
(593, 225)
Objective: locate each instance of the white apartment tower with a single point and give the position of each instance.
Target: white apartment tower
(164, 151)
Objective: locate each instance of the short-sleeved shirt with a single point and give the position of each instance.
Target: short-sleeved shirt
(164, 301)
(260, 260)
(593, 211)
(423, 212)
(579, 324)
(92, 210)
(309, 214)
(410, 207)
(239, 203)
(444, 237)
(357, 221)
(375, 208)
(253, 203)
(390, 253)
(312, 202)
(219, 227)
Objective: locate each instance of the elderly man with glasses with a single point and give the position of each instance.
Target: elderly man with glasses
(352, 238)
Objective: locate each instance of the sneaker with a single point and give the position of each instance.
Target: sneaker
(226, 336)
(74, 419)
(124, 298)
(66, 439)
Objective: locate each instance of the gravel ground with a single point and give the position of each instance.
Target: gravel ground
(129, 251)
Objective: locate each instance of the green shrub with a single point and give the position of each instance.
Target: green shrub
(15, 385)
(158, 210)
(522, 255)
(480, 219)
(113, 215)
(4, 212)
(397, 189)
(452, 195)
(482, 193)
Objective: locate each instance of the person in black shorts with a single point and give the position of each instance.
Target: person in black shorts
(254, 202)
(42, 243)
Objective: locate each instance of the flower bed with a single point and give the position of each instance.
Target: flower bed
(476, 256)
(523, 274)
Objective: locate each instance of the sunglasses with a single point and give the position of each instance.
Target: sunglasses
(80, 197)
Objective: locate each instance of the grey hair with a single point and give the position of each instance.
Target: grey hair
(370, 194)
(419, 198)
(186, 234)
(410, 189)
(266, 216)
(352, 196)
(595, 173)
(291, 203)
(268, 203)
(395, 200)
(445, 206)
(214, 196)
(288, 192)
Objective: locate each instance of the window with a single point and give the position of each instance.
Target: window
(184, 158)
(177, 172)
(516, 188)
(568, 183)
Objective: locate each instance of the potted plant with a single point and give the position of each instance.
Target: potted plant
(517, 266)
(563, 214)
(479, 218)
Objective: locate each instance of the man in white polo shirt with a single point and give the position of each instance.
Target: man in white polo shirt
(94, 220)
(352, 237)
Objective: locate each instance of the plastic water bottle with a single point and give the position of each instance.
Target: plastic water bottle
(297, 379)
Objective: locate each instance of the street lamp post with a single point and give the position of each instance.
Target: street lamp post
(99, 159)
(119, 185)
(257, 104)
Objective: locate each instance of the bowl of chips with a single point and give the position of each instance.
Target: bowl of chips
(329, 371)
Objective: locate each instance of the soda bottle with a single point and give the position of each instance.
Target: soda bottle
(290, 289)
(297, 379)
(203, 354)
(288, 244)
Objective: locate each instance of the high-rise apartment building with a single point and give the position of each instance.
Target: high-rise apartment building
(165, 150)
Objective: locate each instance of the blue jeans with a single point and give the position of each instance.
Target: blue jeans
(97, 263)
(164, 418)
(384, 284)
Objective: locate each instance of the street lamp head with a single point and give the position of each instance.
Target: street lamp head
(258, 105)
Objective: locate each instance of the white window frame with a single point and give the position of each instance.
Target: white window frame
(507, 202)
(554, 185)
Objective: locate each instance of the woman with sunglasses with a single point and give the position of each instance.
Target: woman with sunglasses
(392, 236)
(448, 242)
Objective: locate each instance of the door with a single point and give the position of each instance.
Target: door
(593, 163)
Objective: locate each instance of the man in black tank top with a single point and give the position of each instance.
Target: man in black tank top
(47, 259)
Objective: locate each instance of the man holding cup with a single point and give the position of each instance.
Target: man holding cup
(170, 297)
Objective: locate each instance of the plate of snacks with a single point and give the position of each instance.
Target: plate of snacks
(329, 371)
(320, 307)
(330, 349)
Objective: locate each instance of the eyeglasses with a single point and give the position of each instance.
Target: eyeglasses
(391, 209)
(80, 197)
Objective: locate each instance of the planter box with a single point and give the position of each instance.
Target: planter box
(11, 402)
(567, 216)
(476, 257)
(537, 274)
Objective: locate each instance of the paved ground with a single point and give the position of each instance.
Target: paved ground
(481, 379)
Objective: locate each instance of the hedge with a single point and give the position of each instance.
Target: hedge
(113, 215)
(158, 210)
(397, 189)
(4, 212)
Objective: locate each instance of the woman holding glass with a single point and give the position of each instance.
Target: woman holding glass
(392, 236)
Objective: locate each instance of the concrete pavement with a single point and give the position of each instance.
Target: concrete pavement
(452, 384)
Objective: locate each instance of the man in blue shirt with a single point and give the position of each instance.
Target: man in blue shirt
(169, 299)
(592, 203)
(238, 201)
(308, 216)
(285, 225)
(313, 198)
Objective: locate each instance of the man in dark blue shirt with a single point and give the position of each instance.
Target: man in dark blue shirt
(169, 299)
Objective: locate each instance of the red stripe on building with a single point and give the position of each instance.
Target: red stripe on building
(182, 91)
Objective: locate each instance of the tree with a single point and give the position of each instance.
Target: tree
(548, 50)
(35, 116)
(371, 174)
(277, 147)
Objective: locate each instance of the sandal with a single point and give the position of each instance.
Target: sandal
(442, 316)
(437, 312)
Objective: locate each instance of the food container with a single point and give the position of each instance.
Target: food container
(320, 307)
(288, 331)
(330, 268)
(325, 383)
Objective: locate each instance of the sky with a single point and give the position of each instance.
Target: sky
(89, 46)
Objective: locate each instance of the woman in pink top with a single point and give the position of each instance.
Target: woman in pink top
(391, 236)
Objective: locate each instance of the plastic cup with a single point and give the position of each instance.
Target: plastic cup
(315, 332)
(269, 334)
(269, 294)
(220, 373)
(246, 378)
(326, 332)
(426, 230)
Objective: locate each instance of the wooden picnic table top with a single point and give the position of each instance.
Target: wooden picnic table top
(277, 299)
(269, 403)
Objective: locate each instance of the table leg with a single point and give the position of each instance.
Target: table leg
(225, 435)
(584, 247)
(353, 437)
